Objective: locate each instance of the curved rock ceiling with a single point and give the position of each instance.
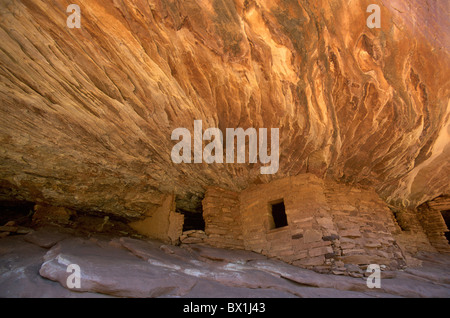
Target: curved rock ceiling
(86, 114)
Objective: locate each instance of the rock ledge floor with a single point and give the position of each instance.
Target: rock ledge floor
(35, 265)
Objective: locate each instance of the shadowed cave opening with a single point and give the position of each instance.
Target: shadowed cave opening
(18, 211)
(193, 220)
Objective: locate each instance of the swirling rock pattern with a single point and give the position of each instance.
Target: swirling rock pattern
(86, 114)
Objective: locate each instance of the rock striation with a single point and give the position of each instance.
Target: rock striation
(86, 114)
(126, 267)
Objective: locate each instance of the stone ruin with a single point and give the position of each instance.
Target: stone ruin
(308, 222)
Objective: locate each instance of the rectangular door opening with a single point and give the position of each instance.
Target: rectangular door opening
(278, 213)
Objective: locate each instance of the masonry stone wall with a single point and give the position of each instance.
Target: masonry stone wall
(365, 225)
(222, 218)
(410, 235)
(301, 241)
(329, 225)
(423, 229)
(433, 223)
(163, 224)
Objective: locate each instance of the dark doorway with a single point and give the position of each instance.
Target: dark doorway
(279, 214)
(192, 209)
(193, 221)
(446, 217)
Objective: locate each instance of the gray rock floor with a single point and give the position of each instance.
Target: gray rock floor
(35, 265)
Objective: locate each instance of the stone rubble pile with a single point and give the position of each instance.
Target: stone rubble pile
(10, 227)
(193, 237)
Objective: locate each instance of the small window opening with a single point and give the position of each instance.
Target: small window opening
(278, 213)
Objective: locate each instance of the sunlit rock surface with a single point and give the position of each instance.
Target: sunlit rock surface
(86, 114)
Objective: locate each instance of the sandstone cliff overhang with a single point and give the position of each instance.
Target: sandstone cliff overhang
(86, 114)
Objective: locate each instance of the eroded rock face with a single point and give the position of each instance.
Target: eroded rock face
(87, 114)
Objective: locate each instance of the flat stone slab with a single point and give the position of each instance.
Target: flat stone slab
(36, 265)
(112, 271)
(46, 237)
(20, 262)
(224, 255)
